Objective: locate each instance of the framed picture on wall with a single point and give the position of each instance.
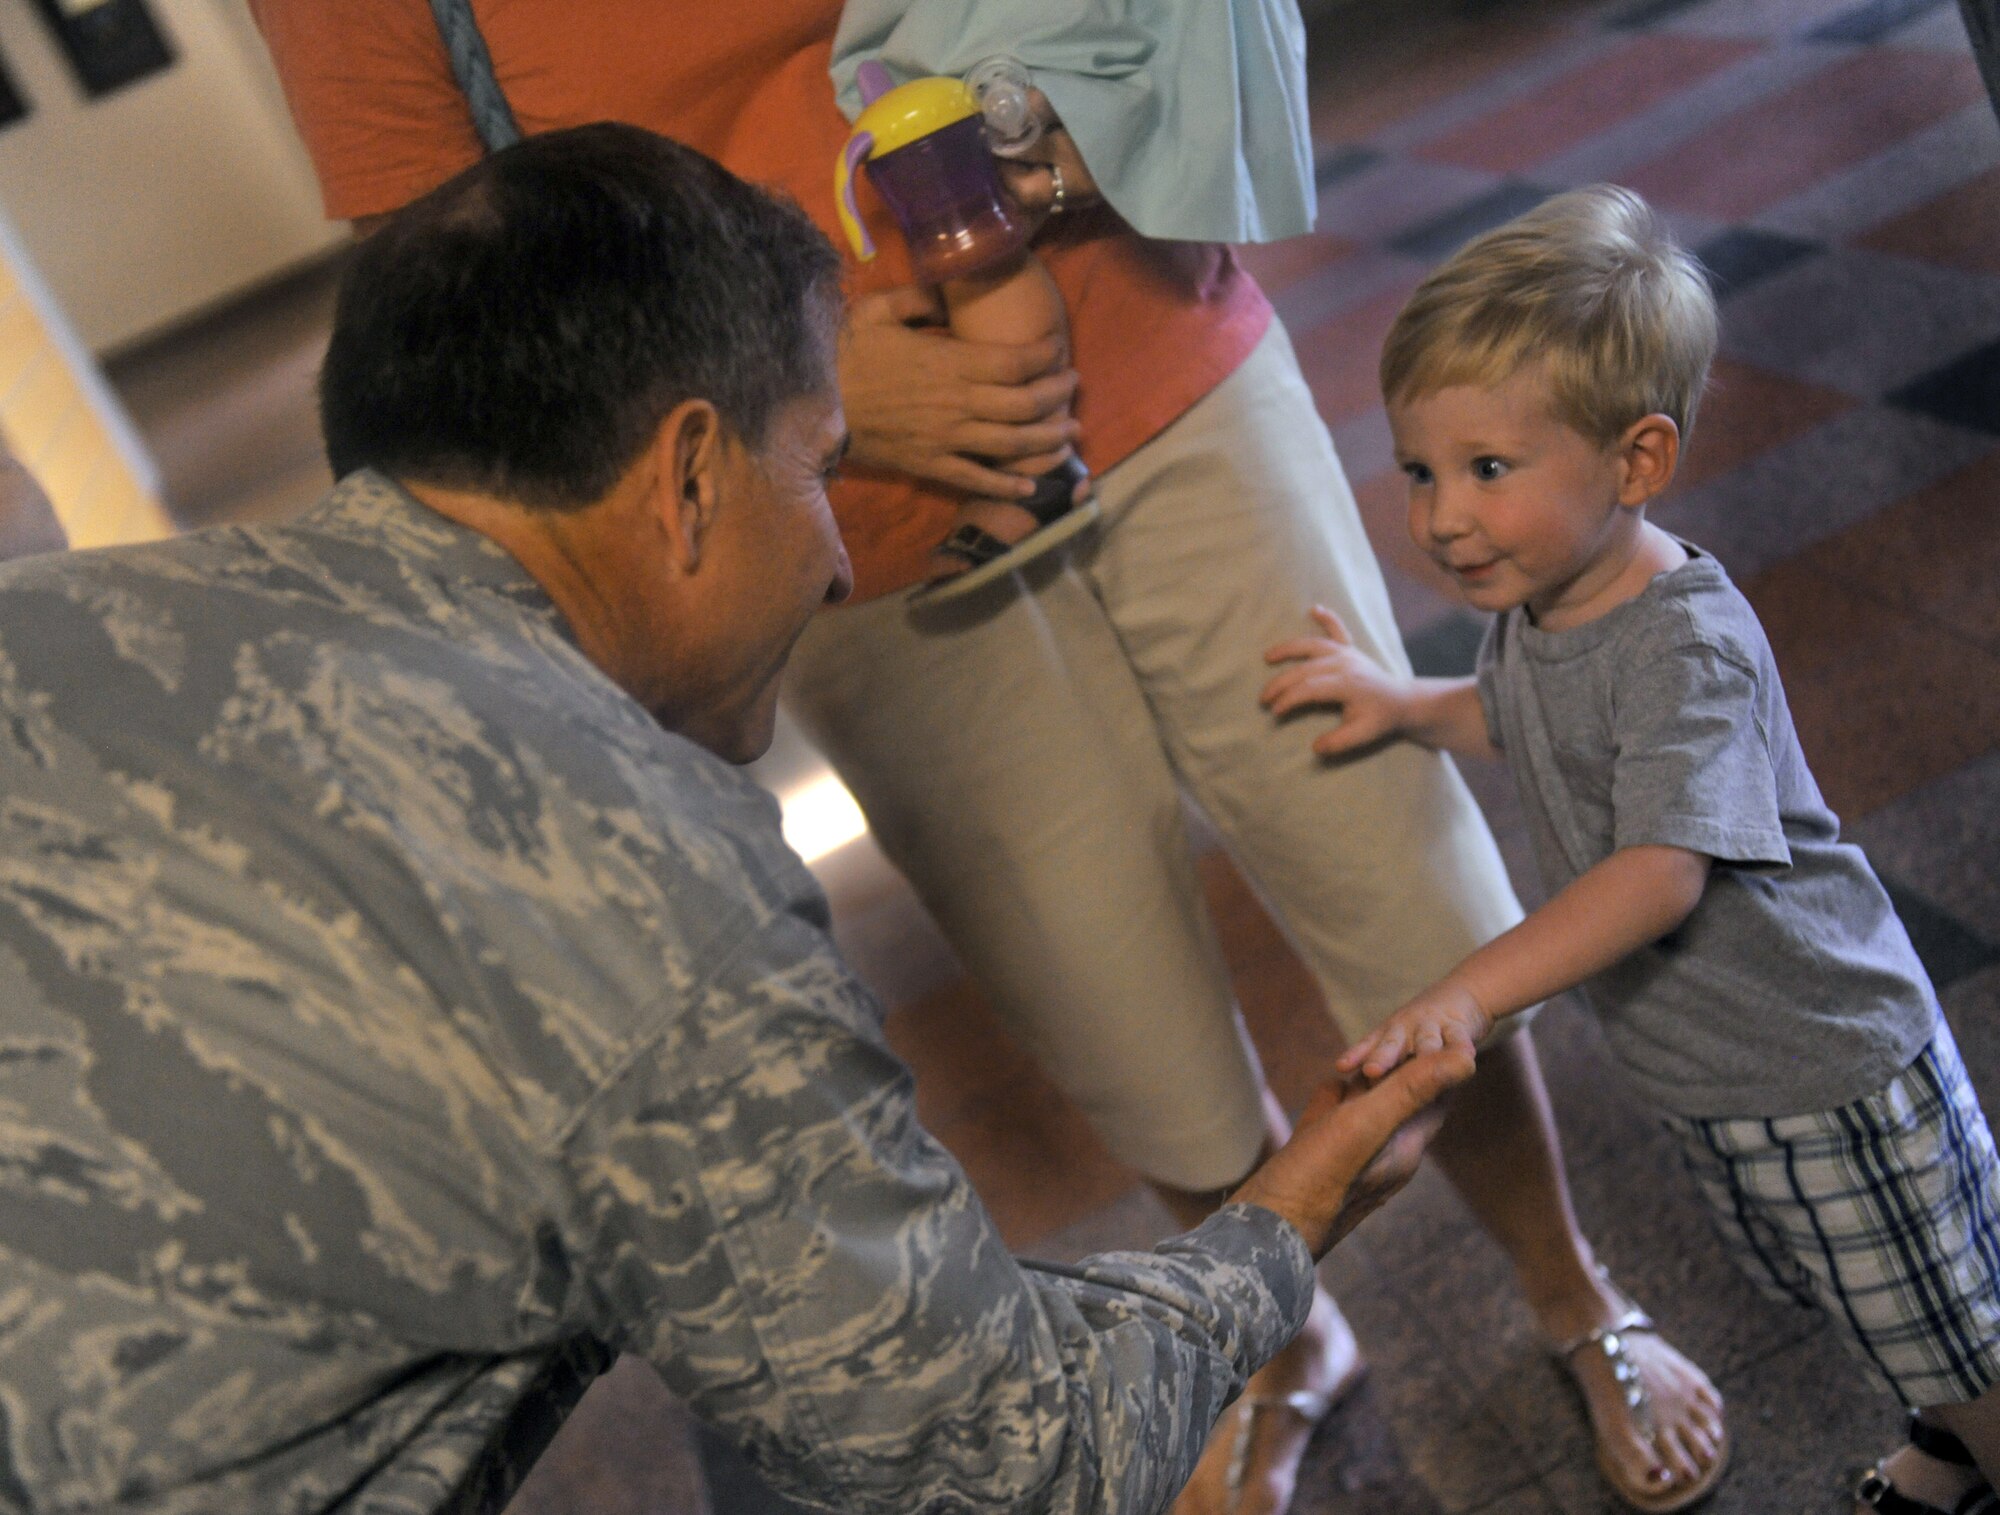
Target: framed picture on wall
(13, 104)
(109, 43)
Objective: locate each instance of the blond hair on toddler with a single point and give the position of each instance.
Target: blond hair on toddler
(1590, 284)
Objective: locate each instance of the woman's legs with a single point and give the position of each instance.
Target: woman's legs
(1020, 756)
(1006, 763)
(1009, 766)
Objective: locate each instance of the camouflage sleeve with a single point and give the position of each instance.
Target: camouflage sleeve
(765, 1220)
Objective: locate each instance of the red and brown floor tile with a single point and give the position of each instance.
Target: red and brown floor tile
(1840, 115)
(1585, 102)
(1960, 227)
(1934, 555)
(1747, 411)
(1884, 701)
(1279, 265)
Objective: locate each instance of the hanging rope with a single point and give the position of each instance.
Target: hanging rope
(472, 66)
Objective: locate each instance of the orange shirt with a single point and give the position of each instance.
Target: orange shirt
(1153, 326)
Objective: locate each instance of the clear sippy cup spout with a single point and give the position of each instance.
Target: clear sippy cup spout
(1001, 86)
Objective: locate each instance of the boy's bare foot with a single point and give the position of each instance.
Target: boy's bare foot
(1324, 1362)
(994, 536)
(1004, 521)
(1664, 1446)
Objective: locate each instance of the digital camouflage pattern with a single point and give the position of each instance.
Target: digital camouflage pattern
(396, 1022)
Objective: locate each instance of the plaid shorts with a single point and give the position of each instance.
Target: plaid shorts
(1884, 1213)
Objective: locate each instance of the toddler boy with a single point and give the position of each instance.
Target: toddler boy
(1748, 969)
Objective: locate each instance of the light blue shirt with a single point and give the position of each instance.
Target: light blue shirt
(1191, 116)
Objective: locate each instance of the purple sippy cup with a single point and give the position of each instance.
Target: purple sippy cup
(924, 144)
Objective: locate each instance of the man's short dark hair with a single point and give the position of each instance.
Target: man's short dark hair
(523, 329)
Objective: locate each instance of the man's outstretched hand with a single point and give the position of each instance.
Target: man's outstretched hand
(1354, 1146)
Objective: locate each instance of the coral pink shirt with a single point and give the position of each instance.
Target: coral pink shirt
(1154, 326)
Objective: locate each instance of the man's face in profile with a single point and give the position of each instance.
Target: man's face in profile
(774, 557)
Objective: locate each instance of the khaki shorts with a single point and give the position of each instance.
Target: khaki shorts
(1021, 757)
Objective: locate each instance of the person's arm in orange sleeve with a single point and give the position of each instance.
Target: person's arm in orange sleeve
(373, 96)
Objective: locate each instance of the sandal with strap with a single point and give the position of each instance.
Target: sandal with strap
(1611, 1342)
(1311, 1406)
(987, 557)
(1308, 1406)
(1878, 1492)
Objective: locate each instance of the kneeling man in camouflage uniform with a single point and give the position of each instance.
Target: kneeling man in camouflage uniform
(407, 1005)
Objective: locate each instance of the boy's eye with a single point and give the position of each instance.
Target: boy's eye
(1486, 470)
(1417, 472)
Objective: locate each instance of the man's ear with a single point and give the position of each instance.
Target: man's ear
(1650, 449)
(688, 456)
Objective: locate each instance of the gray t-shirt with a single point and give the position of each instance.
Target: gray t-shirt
(1792, 987)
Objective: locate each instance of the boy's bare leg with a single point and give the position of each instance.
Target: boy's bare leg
(1013, 304)
(1500, 1150)
(1322, 1359)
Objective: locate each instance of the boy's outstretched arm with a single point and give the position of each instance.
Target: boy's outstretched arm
(1374, 703)
(1632, 898)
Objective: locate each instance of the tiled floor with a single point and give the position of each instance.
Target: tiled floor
(1838, 166)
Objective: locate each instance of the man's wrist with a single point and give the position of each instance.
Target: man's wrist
(1313, 1223)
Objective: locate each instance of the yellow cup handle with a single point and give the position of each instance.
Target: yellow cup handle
(859, 146)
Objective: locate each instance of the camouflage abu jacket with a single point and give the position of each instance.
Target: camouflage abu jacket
(392, 1014)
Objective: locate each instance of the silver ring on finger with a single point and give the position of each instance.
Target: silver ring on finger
(1058, 201)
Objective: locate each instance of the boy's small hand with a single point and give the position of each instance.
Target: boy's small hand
(1331, 670)
(1443, 1016)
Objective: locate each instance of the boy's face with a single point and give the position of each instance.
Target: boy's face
(1517, 506)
